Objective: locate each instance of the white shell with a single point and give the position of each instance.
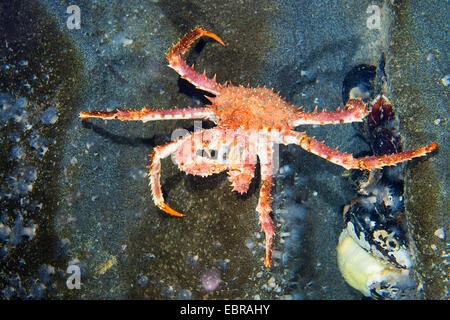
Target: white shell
(363, 271)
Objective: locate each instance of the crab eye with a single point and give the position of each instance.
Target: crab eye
(203, 153)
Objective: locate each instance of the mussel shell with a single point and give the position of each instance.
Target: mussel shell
(378, 230)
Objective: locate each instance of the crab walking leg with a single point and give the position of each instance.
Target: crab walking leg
(264, 207)
(199, 80)
(150, 115)
(346, 160)
(354, 111)
(159, 153)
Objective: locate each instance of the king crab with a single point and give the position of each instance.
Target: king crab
(249, 122)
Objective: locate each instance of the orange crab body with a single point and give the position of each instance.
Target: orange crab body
(249, 122)
(251, 109)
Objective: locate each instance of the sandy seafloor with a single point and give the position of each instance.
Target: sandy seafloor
(75, 193)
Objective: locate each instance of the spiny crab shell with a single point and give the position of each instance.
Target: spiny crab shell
(252, 108)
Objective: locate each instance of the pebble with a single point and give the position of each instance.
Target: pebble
(271, 283)
(49, 116)
(185, 294)
(249, 244)
(17, 152)
(126, 42)
(142, 280)
(446, 80)
(440, 233)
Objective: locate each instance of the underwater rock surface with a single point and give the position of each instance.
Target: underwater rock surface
(417, 69)
(39, 84)
(75, 195)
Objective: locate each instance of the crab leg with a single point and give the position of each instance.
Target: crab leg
(346, 160)
(174, 55)
(354, 111)
(150, 115)
(184, 151)
(264, 207)
(159, 153)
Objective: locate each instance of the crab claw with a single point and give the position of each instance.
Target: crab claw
(211, 35)
(170, 211)
(174, 56)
